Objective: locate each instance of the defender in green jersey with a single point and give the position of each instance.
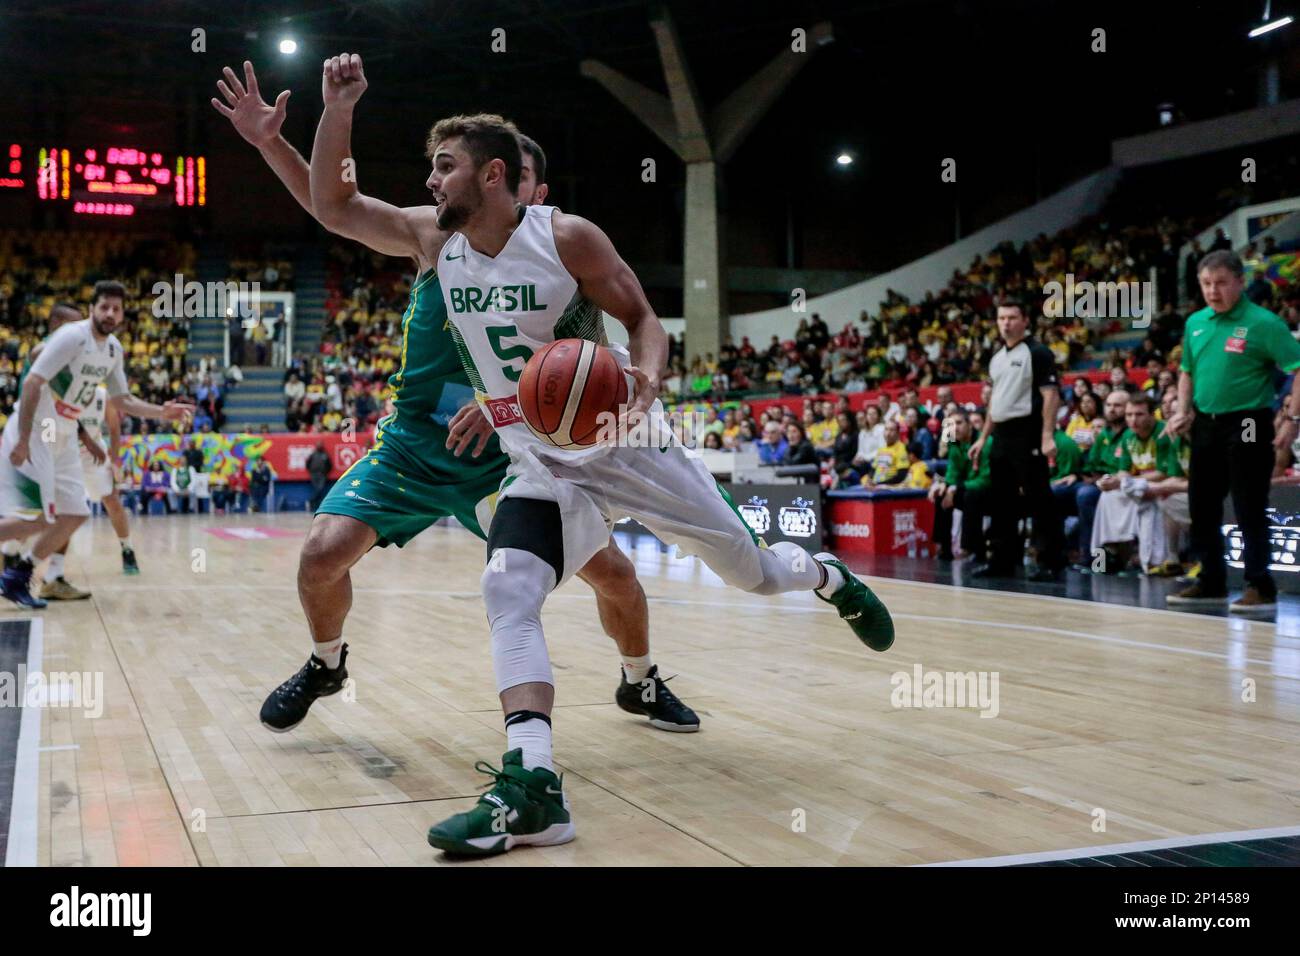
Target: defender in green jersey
(409, 478)
(416, 471)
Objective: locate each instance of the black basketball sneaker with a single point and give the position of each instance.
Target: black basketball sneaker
(650, 697)
(287, 705)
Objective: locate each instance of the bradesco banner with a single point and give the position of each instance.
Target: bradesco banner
(224, 453)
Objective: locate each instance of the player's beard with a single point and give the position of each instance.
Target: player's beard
(454, 216)
(104, 328)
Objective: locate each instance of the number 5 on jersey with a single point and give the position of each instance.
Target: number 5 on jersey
(495, 334)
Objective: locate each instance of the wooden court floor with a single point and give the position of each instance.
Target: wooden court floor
(1110, 725)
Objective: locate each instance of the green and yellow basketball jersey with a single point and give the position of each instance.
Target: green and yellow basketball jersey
(430, 385)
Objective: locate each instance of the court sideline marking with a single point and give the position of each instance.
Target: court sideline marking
(23, 808)
(1144, 846)
(810, 609)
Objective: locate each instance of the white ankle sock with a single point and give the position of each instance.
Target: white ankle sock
(54, 569)
(533, 736)
(331, 652)
(834, 578)
(636, 669)
(125, 543)
(13, 547)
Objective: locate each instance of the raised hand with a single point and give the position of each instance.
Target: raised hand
(248, 112)
(342, 80)
(177, 411)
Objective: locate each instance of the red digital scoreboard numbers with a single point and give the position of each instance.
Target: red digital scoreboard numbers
(106, 181)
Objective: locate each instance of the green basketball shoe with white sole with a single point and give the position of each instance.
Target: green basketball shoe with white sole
(860, 608)
(523, 808)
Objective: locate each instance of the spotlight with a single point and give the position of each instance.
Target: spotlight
(288, 47)
(1269, 27)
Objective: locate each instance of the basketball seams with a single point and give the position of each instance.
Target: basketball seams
(575, 406)
(577, 388)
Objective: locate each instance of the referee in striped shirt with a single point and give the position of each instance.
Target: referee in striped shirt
(1022, 414)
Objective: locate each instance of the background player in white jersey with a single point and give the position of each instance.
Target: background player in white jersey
(100, 432)
(556, 511)
(41, 473)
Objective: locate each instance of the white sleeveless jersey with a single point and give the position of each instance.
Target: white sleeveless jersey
(504, 309)
(74, 364)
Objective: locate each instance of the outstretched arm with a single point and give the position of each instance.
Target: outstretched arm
(336, 202)
(608, 281)
(260, 124)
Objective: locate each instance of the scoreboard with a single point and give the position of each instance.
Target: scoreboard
(105, 180)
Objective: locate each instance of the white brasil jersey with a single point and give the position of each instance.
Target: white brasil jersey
(503, 309)
(74, 364)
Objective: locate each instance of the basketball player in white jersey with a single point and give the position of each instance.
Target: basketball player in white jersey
(100, 433)
(336, 541)
(515, 278)
(41, 474)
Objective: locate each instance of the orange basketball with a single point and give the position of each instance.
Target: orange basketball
(565, 388)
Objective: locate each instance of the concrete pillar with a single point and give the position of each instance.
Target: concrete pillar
(704, 294)
(703, 143)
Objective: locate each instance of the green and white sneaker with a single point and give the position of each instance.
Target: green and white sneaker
(523, 807)
(859, 606)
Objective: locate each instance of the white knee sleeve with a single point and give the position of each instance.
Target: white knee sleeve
(787, 567)
(514, 584)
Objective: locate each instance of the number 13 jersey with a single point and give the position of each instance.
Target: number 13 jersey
(73, 364)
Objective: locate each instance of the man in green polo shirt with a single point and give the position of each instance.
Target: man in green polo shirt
(964, 488)
(1081, 497)
(1127, 512)
(1231, 351)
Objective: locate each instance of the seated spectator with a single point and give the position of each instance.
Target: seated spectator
(821, 429)
(182, 488)
(799, 450)
(891, 462)
(1085, 423)
(1128, 511)
(237, 489)
(961, 490)
(772, 449)
(712, 441)
(917, 430)
(871, 438)
(846, 450)
(1171, 495)
(155, 486)
(918, 473)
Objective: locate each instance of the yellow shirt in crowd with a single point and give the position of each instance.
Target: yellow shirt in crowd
(823, 434)
(918, 476)
(890, 460)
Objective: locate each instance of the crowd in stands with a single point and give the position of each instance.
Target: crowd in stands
(40, 268)
(347, 380)
(948, 336)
